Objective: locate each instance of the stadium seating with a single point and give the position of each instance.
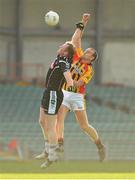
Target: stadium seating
(110, 111)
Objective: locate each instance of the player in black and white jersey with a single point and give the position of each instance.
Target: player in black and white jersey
(58, 72)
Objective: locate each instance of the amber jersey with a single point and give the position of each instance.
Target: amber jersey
(55, 78)
(79, 71)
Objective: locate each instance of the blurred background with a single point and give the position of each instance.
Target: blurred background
(28, 45)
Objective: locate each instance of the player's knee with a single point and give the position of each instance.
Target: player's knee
(41, 121)
(84, 127)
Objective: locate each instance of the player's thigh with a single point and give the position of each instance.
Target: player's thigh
(62, 113)
(42, 117)
(51, 121)
(47, 121)
(82, 118)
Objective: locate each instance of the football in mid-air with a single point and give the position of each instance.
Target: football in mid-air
(51, 18)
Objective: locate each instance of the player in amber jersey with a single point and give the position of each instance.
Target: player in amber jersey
(82, 72)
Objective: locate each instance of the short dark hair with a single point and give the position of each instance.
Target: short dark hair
(95, 56)
(71, 50)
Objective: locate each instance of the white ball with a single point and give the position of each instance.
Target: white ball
(51, 18)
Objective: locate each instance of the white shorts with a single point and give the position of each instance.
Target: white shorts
(74, 101)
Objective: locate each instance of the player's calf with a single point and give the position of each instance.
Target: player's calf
(61, 149)
(101, 150)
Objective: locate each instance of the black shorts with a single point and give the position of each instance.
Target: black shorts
(51, 101)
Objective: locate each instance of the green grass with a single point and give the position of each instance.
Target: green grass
(68, 169)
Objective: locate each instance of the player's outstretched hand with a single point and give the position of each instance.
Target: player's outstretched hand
(72, 88)
(85, 18)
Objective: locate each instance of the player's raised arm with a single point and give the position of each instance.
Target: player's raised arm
(68, 78)
(76, 38)
(84, 79)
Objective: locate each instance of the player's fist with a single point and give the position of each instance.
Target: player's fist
(85, 17)
(72, 88)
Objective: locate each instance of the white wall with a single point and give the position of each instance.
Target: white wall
(40, 50)
(7, 54)
(119, 63)
(7, 45)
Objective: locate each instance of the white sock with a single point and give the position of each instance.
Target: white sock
(46, 146)
(53, 156)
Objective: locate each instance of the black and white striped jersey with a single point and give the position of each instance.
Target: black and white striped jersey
(55, 77)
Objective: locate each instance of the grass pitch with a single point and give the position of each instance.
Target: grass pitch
(67, 170)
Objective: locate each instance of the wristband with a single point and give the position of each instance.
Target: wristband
(80, 25)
